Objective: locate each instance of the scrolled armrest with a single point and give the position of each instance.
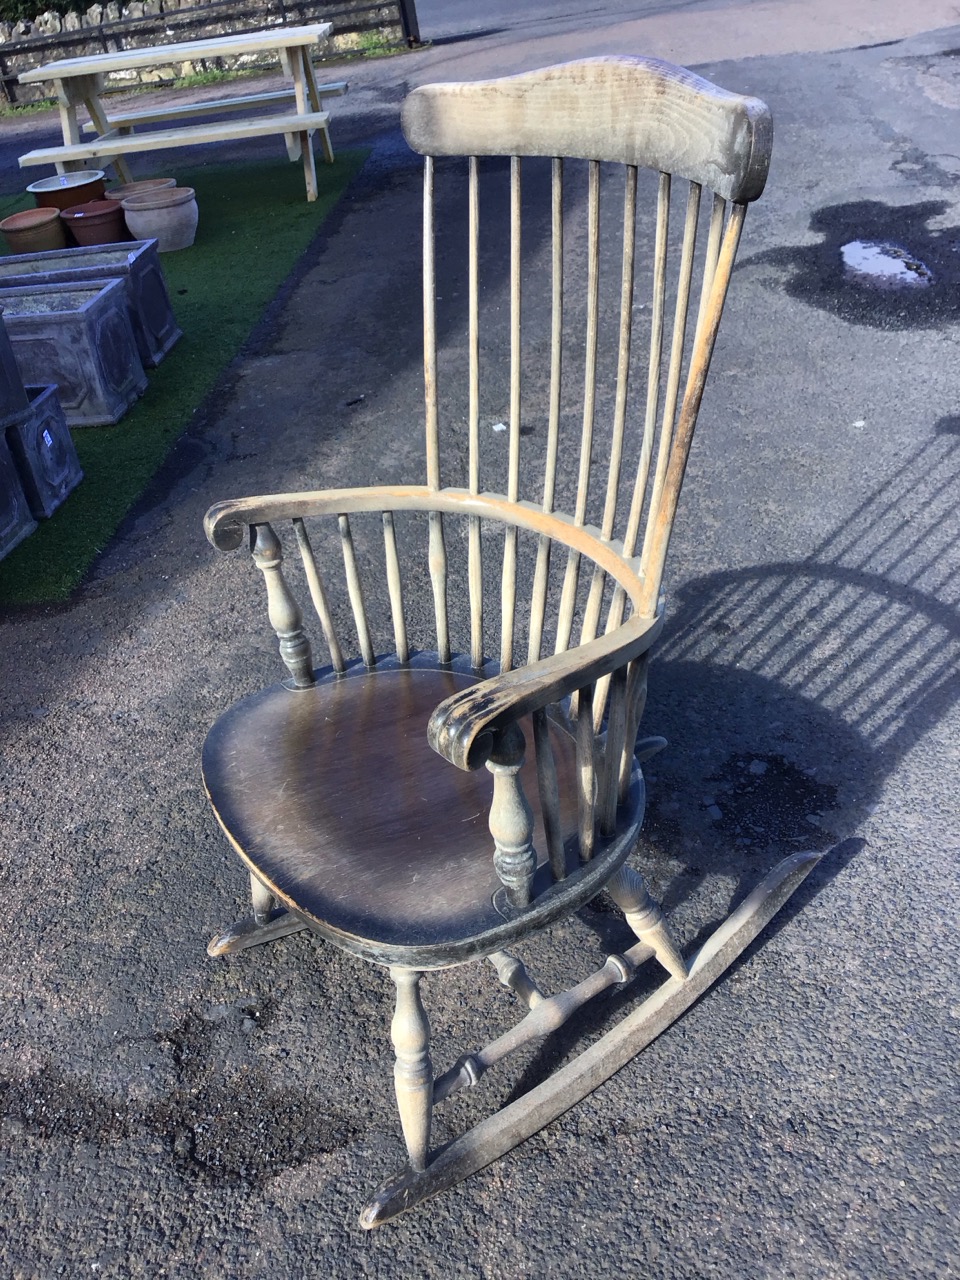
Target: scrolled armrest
(462, 728)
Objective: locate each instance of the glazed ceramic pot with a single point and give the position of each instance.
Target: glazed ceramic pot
(138, 188)
(168, 215)
(33, 231)
(66, 189)
(97, 222)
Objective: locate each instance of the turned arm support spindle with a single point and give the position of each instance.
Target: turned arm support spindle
(511, 819)
(282, 608)
(514, 976)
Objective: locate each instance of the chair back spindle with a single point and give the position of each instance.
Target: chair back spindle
(395, 587)
(318, 595)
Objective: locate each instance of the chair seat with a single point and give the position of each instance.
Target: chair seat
(334, 798)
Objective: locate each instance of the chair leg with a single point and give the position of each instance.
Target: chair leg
(514, 976)
(502, 1131)
(645, 918)
(265, 925)
(413, 1070)
(251, 933)
(262, 900)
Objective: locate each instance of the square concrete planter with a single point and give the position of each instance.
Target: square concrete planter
(16, 522)
(44, 452)
(13, 398)
(80, 337)
(138, 265)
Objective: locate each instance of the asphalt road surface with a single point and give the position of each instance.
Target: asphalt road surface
(166, 1115)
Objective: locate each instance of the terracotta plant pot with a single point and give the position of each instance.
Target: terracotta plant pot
(168, 216)
(98, 222)
(66, 189)
(138, 188)
(33, 231)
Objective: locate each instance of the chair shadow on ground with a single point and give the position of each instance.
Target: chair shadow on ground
(811, 681)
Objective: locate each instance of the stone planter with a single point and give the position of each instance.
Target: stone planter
(137, 188)
(80, 337)
(44, 452)
(13, 397)
(16, 522)
(137, 264)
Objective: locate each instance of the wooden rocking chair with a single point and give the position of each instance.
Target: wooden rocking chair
(428, 808)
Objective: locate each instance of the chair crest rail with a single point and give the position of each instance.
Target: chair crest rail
(631, 110)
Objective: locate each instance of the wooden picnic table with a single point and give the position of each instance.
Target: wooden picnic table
(79, 82)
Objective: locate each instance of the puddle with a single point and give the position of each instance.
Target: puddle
(765, 800)
(224, 1131)
(883, 264)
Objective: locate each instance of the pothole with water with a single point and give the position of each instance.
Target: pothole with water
(884, 265)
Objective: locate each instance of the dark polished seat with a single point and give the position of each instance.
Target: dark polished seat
(404, 862)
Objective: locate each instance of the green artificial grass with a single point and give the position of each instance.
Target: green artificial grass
(254, 225)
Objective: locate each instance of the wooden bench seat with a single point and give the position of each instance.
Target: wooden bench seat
(187, 110)
(114, 143)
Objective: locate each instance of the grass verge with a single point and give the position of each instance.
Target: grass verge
(254, 226)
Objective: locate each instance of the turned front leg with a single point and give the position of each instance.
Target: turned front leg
(413, 1070)
(262, 900)
(645, 918)
(511, 819)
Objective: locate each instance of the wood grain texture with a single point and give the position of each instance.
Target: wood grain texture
(213, 106)
(318, 594)
(187, 135)
(660, 525)
(413, 1070)
(395, 587)
(633, 110)
(341, 798)
(282, 608)
(573, 1081)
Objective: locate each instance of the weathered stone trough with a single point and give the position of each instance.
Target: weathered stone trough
(138, 265)
(79, 337)
(13, 398)
(44, 452)
(16, 522)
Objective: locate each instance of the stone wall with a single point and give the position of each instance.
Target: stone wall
(105, 28)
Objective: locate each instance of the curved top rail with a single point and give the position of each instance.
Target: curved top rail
(637, 111)
(224, 522)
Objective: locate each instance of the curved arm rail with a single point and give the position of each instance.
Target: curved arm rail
(225, 521)
(462, 728)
